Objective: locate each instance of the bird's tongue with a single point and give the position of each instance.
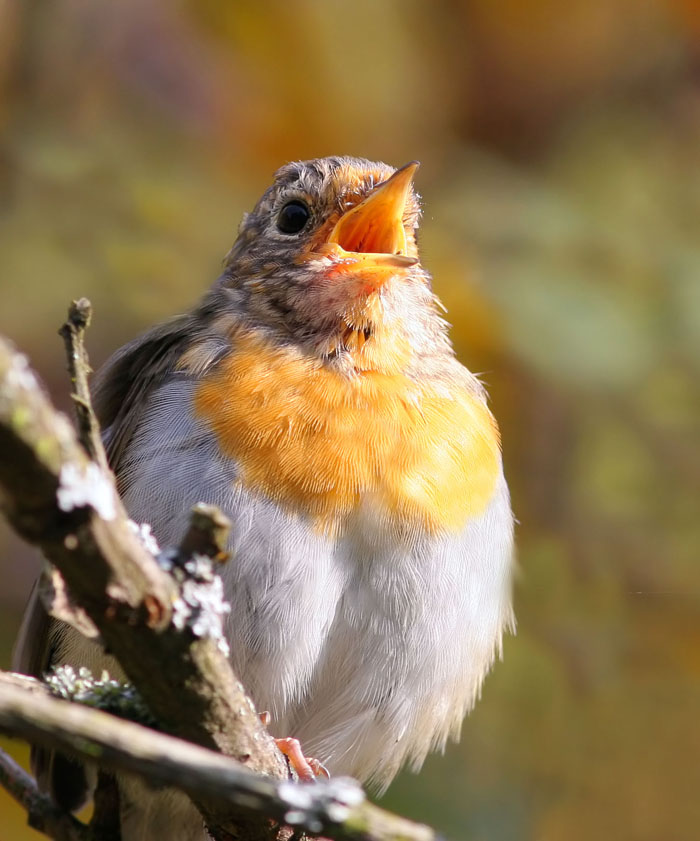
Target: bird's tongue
(375, 225)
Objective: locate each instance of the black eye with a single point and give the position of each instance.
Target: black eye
(293, 217)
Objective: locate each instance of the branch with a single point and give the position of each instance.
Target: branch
(207, 534)
(61, 501)
(73, 333)
(52, 494)
(337, 808)
(44, 816)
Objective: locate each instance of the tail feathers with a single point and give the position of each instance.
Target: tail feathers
(148, 813)
(67, 780)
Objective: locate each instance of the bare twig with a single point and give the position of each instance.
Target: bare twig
(60, 500)
(58, 600)
(336, 808)
(43, 815)
(73, 333)
(52, 495)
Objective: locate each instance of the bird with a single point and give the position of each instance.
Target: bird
(313, 394)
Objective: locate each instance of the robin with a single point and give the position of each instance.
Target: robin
(314, 396)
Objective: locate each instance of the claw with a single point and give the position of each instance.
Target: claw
(318, 768)
(307, 769)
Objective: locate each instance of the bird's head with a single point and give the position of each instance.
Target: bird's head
(329, 258)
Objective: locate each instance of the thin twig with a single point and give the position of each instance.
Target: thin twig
(43, 815)
(73, 333)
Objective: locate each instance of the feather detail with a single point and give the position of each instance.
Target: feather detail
(429, 456)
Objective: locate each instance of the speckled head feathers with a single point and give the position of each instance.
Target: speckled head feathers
(328, 188)
(331, 248)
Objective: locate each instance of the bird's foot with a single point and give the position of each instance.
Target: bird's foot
(307, 768)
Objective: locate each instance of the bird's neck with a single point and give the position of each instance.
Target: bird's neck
(372, 335)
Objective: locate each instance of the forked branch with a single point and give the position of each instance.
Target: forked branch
(58, 495)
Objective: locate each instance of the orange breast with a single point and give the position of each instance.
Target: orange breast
(317, 442)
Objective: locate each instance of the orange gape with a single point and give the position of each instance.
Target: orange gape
(316, 440)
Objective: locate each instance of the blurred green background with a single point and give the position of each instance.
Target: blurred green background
(560, 145)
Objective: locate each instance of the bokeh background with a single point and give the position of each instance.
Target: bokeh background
(560, 145)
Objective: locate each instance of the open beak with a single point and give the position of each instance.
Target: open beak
(372, 233)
